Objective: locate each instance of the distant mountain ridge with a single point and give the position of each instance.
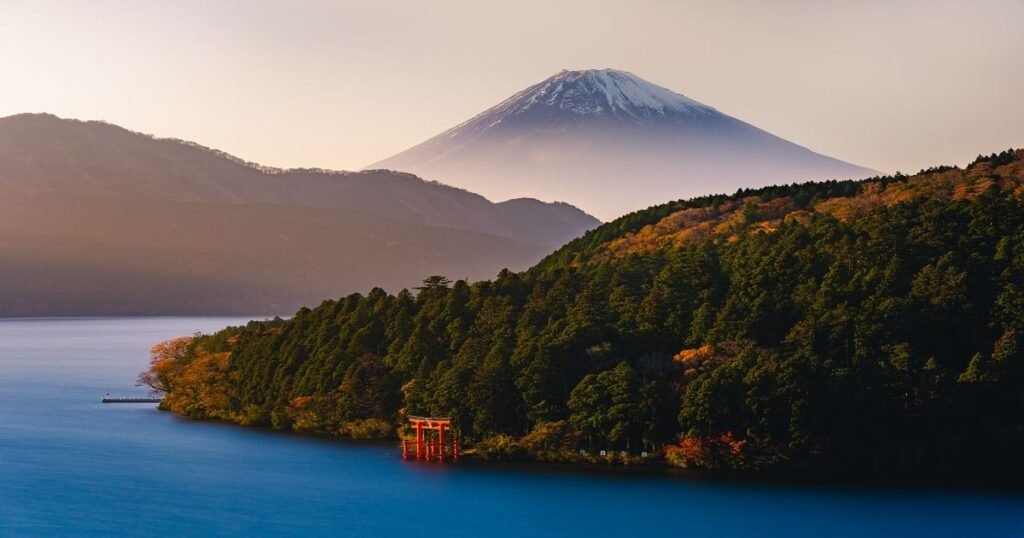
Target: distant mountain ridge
(107, 160)
(611, 142)
(97, 219)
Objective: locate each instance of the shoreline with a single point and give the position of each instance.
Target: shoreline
(772, 478)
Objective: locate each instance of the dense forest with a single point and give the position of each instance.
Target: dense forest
(874, 325)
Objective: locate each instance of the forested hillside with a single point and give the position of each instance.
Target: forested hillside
(873, 325)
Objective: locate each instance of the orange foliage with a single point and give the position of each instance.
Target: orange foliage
(201, 387)
(697, 361)
(713, 452)
(768, 226)
(194, 380)
(730, 220)
(694, 354)
(971, 191)
(695, 225)
(162, 363)
(845, 209)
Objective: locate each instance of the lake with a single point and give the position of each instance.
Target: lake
(71, 466)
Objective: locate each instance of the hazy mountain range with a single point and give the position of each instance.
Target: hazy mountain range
(96, 219)
(610, 142)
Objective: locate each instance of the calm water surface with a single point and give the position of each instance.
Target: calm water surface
(72, 466)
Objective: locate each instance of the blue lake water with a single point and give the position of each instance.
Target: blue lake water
(70, 466)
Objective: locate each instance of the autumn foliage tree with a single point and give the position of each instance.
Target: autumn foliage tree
(165, 362)
(723, 451)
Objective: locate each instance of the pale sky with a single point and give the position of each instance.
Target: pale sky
(892, 85)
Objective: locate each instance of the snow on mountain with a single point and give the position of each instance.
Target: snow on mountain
(610, 142)
(604, 92)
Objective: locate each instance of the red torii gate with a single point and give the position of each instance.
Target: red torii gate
(428, 449)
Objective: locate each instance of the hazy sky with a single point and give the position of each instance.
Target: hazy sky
(893, 85)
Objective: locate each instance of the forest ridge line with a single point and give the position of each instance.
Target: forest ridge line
(871, 325)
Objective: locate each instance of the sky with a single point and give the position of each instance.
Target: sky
(891, 85)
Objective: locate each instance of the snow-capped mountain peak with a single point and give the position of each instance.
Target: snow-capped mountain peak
(602, 92)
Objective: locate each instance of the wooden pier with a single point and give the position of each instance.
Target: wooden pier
(107, 398)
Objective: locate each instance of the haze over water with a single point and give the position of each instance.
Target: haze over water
(72, 466)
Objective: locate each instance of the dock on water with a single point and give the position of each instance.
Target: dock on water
(107, 398)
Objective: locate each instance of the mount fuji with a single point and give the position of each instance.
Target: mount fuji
(610, 142)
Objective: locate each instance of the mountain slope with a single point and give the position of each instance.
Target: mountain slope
(611, 142)
(42, 153)
(95, 219)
